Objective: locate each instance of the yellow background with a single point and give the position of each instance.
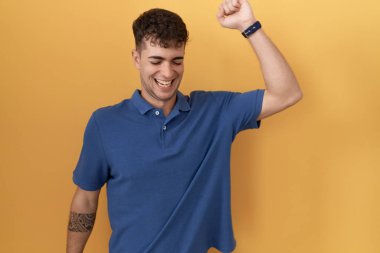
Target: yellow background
(307, 181)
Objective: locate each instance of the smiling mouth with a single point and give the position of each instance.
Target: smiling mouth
(163, 83)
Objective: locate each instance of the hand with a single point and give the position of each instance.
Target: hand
(236, 14)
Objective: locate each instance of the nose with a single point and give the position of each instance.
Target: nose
(167, 70)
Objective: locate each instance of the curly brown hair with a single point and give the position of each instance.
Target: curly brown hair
(162, 27)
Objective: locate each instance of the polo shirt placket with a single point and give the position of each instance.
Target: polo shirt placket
(157, 115)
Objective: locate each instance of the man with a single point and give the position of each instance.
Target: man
(165, 156)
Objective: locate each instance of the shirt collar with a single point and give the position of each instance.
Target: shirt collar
(143, 106)
(182, 101)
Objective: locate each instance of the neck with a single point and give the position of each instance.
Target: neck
(165, 106)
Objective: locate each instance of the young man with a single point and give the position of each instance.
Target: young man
(165, 156)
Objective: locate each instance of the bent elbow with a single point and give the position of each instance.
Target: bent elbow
(294, 98)
(298, 96)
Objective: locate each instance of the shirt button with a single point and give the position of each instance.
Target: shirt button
(164, 128)
(157, 113)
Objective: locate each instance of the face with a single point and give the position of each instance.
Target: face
(161, 70)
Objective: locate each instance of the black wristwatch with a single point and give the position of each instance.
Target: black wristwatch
(252, 29)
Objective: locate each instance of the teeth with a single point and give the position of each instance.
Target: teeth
(164, 83)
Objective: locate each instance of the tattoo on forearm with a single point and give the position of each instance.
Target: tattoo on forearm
(81, 222)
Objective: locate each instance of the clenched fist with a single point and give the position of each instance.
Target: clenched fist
(236, 14)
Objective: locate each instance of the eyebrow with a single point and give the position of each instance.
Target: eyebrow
(162, 58)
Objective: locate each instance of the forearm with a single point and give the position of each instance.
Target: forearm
(79, 230)
(81, 220)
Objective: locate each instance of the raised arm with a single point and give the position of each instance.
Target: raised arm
(282, 89)
(81, 220)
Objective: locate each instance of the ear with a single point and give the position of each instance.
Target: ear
(136, 58)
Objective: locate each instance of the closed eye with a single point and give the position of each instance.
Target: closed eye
(178, 62)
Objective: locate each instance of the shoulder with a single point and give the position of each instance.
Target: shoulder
(216, 98)
(209, 96)
(111, 111)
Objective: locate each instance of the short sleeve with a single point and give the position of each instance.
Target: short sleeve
(91, 171)
(243, 109)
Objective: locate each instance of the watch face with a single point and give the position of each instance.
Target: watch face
(252, 29)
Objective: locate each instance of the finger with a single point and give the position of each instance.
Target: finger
(231, 7)
(228, 9)
(220, 13)
(236, 3)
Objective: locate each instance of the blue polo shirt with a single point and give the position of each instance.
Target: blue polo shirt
(168, 178)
